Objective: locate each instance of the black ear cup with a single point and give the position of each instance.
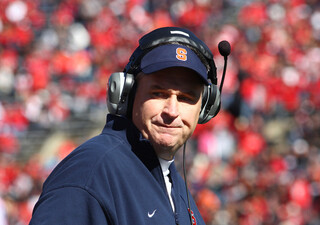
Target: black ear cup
(119, 87)
(210, 103)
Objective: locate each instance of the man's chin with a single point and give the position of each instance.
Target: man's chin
(167, 145)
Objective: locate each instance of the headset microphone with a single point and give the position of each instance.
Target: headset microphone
(224, 49)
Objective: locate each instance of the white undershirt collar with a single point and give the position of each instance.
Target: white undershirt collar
(165, 164)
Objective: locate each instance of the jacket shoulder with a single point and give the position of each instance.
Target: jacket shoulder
(80, 165)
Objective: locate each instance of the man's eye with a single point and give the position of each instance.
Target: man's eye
(158, 94)
(185, 98)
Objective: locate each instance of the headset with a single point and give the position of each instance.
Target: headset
(121, 84)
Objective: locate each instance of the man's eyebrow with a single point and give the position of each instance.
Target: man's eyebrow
(157, 86)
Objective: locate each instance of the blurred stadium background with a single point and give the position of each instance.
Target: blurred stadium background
(256, 163)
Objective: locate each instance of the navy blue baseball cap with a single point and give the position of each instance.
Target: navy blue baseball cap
(173, 55)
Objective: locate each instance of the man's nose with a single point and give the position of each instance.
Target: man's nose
(171, 106)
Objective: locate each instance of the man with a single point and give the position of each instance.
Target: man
(126, 175)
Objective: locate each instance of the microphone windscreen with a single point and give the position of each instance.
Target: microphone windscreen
(224, 48)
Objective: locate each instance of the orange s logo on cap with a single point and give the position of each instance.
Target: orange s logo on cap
(181, 54)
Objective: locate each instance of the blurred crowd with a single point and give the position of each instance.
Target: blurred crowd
(256, 163)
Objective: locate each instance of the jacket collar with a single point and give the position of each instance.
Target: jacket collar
(127, 131)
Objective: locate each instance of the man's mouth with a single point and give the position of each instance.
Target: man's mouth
(168, 126)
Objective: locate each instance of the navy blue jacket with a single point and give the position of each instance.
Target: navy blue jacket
(114, 178)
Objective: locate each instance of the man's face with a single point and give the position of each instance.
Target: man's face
(166, 108)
